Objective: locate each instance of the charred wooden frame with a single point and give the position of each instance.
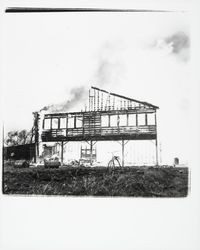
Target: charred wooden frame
(93, 129)
(98, 123)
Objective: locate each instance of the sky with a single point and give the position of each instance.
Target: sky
(146, 56)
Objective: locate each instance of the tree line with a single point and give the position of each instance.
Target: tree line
(18, 137)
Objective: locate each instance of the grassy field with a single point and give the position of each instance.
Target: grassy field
(98, 181)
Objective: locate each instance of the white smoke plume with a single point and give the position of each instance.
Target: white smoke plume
(77, 95)
(177, 44)
(108, 72)
(109, 68)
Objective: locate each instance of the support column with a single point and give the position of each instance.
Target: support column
(62, 144)
(91, 151)
(156, 141)
(123, 153)
(160, 152)
(36, 133)
(156, 151)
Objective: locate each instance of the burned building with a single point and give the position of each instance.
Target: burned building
(107, 117)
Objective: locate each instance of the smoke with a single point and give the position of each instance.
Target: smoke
(109, 67)
(108, 72)
(177, 44)
(77, 95)
(178, 41)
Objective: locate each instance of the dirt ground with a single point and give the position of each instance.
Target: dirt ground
(97, 181)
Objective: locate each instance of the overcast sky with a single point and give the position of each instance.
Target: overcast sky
(145, 56)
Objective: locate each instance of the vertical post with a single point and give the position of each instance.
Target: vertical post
(75, 121)
(62, 154)
(81, 151)
(36, 132)
(156, 151)
(146, 120)
(120, 103)
(123, 153)
(51, 124)
(91, 151)
(109, 101)
(3, 158)
(160, 154)
(101, 100)
(136, 116)
(98, 100)
(66, 124)
(118, 123)
(83, 125)
(156, 141)
(113, 102)
(58, 123)
(89, 101)
(43, 123)
(94, 91)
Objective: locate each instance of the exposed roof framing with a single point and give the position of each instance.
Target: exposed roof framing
(126, 98)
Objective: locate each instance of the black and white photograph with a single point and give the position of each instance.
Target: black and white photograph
(96, 103)
(99, 125)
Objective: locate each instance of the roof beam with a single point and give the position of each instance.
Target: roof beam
(127, 98)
